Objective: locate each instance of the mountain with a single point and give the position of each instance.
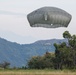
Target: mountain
(19, 54)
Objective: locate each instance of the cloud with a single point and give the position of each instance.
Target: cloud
(11, 13)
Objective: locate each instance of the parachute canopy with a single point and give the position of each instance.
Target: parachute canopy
(49, 17)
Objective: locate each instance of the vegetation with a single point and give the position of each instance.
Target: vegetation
(62, 62)
(4, 65)
(63, 58)
(41, 62)
(36, 72)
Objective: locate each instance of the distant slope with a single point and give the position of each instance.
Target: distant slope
(51, 41)
(18, 55)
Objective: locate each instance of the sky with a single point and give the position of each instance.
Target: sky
(15, 27)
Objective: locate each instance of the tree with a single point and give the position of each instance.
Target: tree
(41, 62)
(67, 35)
(72, 45)
(4, 65)
(65, 56)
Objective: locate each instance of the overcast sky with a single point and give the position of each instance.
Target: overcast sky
(15, 27)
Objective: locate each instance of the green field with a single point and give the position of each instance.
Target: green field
(37, 72)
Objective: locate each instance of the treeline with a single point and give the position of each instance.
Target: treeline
(63, 58)
(4, 65)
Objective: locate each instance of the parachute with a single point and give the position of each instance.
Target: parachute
(49, 17)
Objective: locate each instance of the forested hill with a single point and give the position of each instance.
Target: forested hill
(19, 54)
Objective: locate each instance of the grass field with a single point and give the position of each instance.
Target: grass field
(36, 72)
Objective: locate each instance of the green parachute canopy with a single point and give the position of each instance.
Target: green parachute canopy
(49, 17)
